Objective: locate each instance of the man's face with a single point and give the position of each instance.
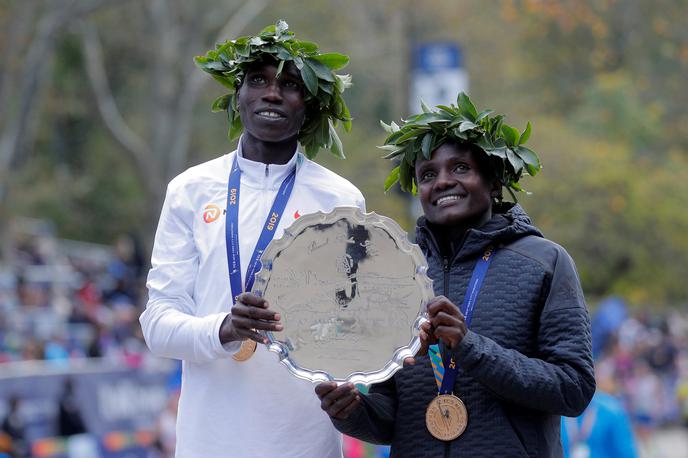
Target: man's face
(451, 189)
(272, 109)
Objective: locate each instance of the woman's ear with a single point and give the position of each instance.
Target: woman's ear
(496, 189)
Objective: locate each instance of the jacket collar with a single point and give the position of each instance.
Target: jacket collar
(268, 176)
(509, 222)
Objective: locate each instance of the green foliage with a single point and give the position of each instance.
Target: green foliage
(423, 133)
(612, 108)
(99, 198)
(606, 91)
(622, 221)
(576, 46)
(228, 62)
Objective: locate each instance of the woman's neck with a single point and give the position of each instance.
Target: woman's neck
(447, 237)
(450, 237)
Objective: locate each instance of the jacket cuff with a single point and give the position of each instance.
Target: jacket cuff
(228, 349)
(465, 352)
(348, 426)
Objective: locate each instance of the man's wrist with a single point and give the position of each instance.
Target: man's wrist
(226, 332)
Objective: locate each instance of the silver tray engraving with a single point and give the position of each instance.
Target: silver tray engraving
(350, 289)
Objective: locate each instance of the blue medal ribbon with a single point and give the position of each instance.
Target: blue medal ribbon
(266, 235)
(444, 367)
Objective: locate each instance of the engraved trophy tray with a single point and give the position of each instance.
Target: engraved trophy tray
(351, 290)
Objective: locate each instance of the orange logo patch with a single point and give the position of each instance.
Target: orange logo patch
(211, 213)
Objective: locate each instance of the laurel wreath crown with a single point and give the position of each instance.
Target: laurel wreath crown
(325, 107)
(422, 133)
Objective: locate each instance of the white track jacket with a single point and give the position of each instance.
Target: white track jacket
(228, 408)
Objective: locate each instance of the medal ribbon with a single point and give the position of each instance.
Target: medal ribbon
(444, 367)
(266, 235)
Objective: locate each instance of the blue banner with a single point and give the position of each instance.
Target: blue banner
(119, 408)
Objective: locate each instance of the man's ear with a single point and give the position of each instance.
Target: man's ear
(239, 84)
(236, 94)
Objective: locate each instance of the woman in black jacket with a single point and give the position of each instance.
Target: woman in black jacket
(509, 333)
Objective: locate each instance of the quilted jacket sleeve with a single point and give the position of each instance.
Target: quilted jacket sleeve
(374, 420)
(559, 377)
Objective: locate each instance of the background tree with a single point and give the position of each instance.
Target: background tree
(30, 32)
(120, 108)
(165, 104)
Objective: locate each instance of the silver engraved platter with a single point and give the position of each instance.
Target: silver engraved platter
(351, 290)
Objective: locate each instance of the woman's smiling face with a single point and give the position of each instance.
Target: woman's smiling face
(453, 189)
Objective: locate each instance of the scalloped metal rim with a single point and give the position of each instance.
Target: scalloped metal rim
(369, 219)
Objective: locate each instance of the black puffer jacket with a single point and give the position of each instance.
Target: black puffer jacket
(525, 361)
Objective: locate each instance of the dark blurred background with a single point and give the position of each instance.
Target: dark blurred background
(100, 105)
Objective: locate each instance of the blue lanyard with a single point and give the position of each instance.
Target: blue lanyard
(266, 235)
(446, 369)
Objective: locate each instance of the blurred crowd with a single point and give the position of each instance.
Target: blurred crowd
(58, 304)
(60, 301)
(642, 360)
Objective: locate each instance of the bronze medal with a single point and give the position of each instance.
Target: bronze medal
(446, 417)
(248, 347)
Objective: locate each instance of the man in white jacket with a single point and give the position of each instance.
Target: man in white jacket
(216, 220)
